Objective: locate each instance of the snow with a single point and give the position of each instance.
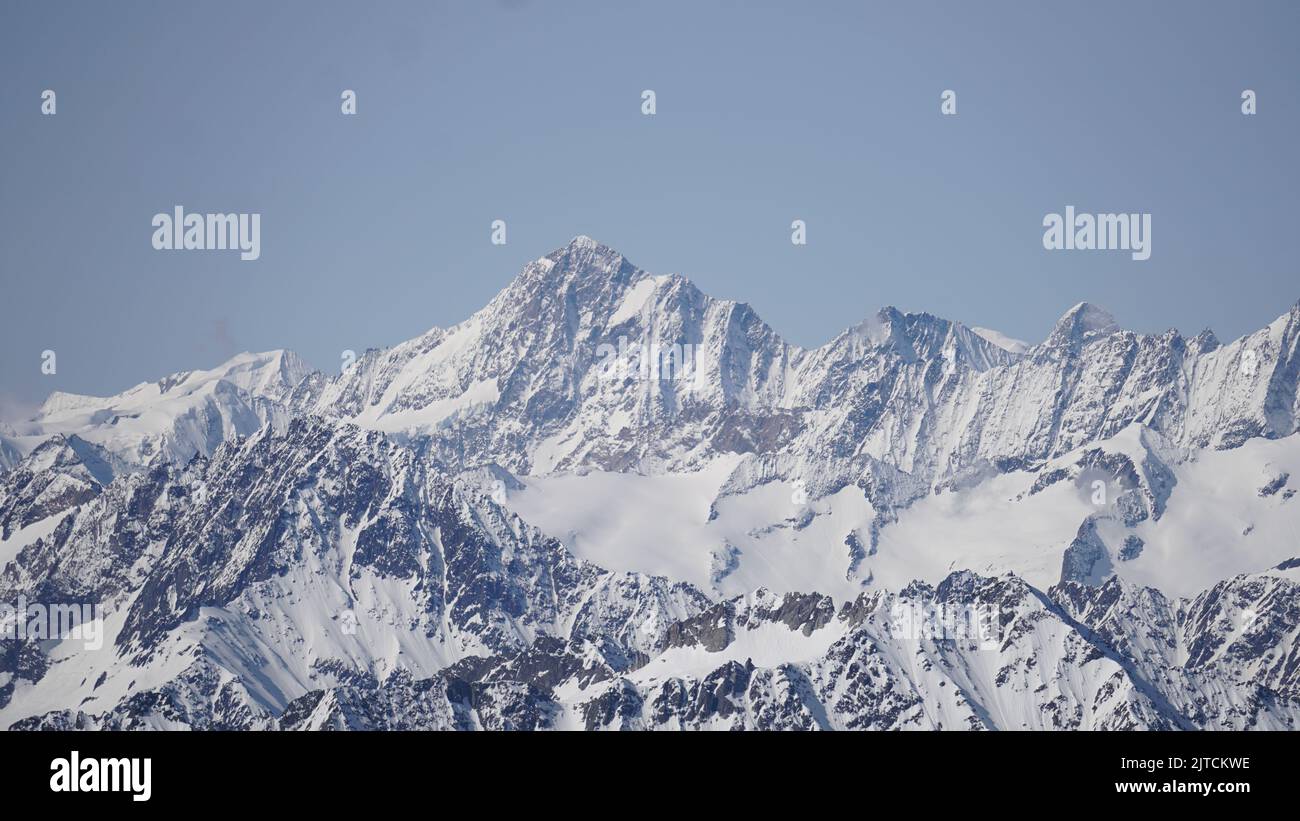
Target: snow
(967, 530)
(184, 414)
(481, 392)
(1003, 341)
(629, 522)
(11, 547)
(1217, 524)
(660, 525)
(635, 300)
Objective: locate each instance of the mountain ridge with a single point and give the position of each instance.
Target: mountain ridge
(788, 538)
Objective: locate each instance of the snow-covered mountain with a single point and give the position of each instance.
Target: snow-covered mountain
(326, 577)
(607, 500)
(179, 416)
(291, 561)
(521, 384)
(727, 441)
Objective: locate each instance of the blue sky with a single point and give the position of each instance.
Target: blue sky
(376, 227)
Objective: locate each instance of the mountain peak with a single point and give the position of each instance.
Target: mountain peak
(1206, 341)
(59, 401)
(583, 258)
(582, 245)
(1096, 317)
(1083, 322)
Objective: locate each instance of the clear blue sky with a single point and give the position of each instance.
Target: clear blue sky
(376, 227)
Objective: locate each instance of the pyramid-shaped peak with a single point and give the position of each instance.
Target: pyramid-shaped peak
(1206, 341)
(1092, 316)
(1083, 321)
(583, 258)
(583, 244)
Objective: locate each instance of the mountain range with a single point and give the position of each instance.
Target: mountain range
(514, 523)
